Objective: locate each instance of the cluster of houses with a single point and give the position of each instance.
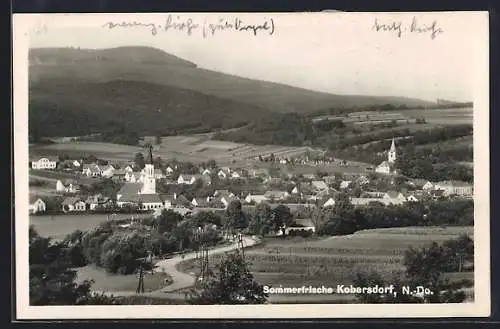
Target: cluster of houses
(139, 188)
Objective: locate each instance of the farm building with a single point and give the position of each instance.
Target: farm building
(36, 205)
(455, 188)
(73, 204)
(46, 162)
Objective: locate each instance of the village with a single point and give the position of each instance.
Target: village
(148, 185)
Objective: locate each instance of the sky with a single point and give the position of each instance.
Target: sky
(337, 53)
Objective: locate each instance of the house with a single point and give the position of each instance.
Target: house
(417, 182)
(46, 162)
(91, 170)
(319, 185)
(169, 170)
(107, 171)
(97, 200)
(345, 184)
(186, 179)
(295, 190)
(60, 186)
(458, 188)
(128, 168)
(428, 186)
(224, 173)
(73, 204)
(255, 198)
(69, 186)
(200, 203)
(36, 205)
(76, 163)
(411, 198)
(235, 175)
(272, 180)
(394, 197)
(329, 203)
(119, 175)
(168, 200)
(383, 168)
(206, 172)
(226, 200)
(276, 195)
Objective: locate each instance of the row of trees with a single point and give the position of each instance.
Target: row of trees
(425, 267)
(344, 218)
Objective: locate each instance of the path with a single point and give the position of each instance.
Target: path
(180, 280)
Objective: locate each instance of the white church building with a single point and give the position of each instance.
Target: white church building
(142, 193)
(387, 167)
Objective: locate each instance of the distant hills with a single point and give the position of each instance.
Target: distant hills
(79, 91)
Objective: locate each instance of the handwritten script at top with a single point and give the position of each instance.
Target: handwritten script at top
(188, 26)
(399, 28)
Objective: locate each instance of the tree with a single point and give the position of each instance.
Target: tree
(261, 220)
(281, 217)
(139, 160)
(51, 280)
(234, 218)
(167, 221)
(232, 284)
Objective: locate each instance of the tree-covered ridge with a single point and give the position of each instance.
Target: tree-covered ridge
(59, 107)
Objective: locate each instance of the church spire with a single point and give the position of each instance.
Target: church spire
(393, 146)
(149, 160)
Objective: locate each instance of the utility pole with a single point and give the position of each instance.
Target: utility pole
(202, 253)
(140, 285)
(241, 245)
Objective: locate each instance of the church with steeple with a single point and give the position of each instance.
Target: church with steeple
(142, 193)
(387, 167)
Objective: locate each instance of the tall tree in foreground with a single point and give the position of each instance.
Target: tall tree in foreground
(52, 281)
(231, 284)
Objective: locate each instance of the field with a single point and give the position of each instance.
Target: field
(432, 116)
(113, 282)
(43, 182)
(336, 260)
(193, 148)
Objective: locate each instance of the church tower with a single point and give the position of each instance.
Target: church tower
(149, 184)
(391, 155)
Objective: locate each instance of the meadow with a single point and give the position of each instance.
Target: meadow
(336, 260)
(114, 282)
(448, 116)
(193, 148)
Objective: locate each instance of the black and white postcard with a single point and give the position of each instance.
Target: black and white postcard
(263, 165)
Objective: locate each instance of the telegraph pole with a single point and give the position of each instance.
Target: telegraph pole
(140, 285)
(202, 253)
(241, 245)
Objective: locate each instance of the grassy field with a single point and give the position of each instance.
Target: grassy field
(194, 148)
(336, 260)
(113, 282)
(432, 116)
